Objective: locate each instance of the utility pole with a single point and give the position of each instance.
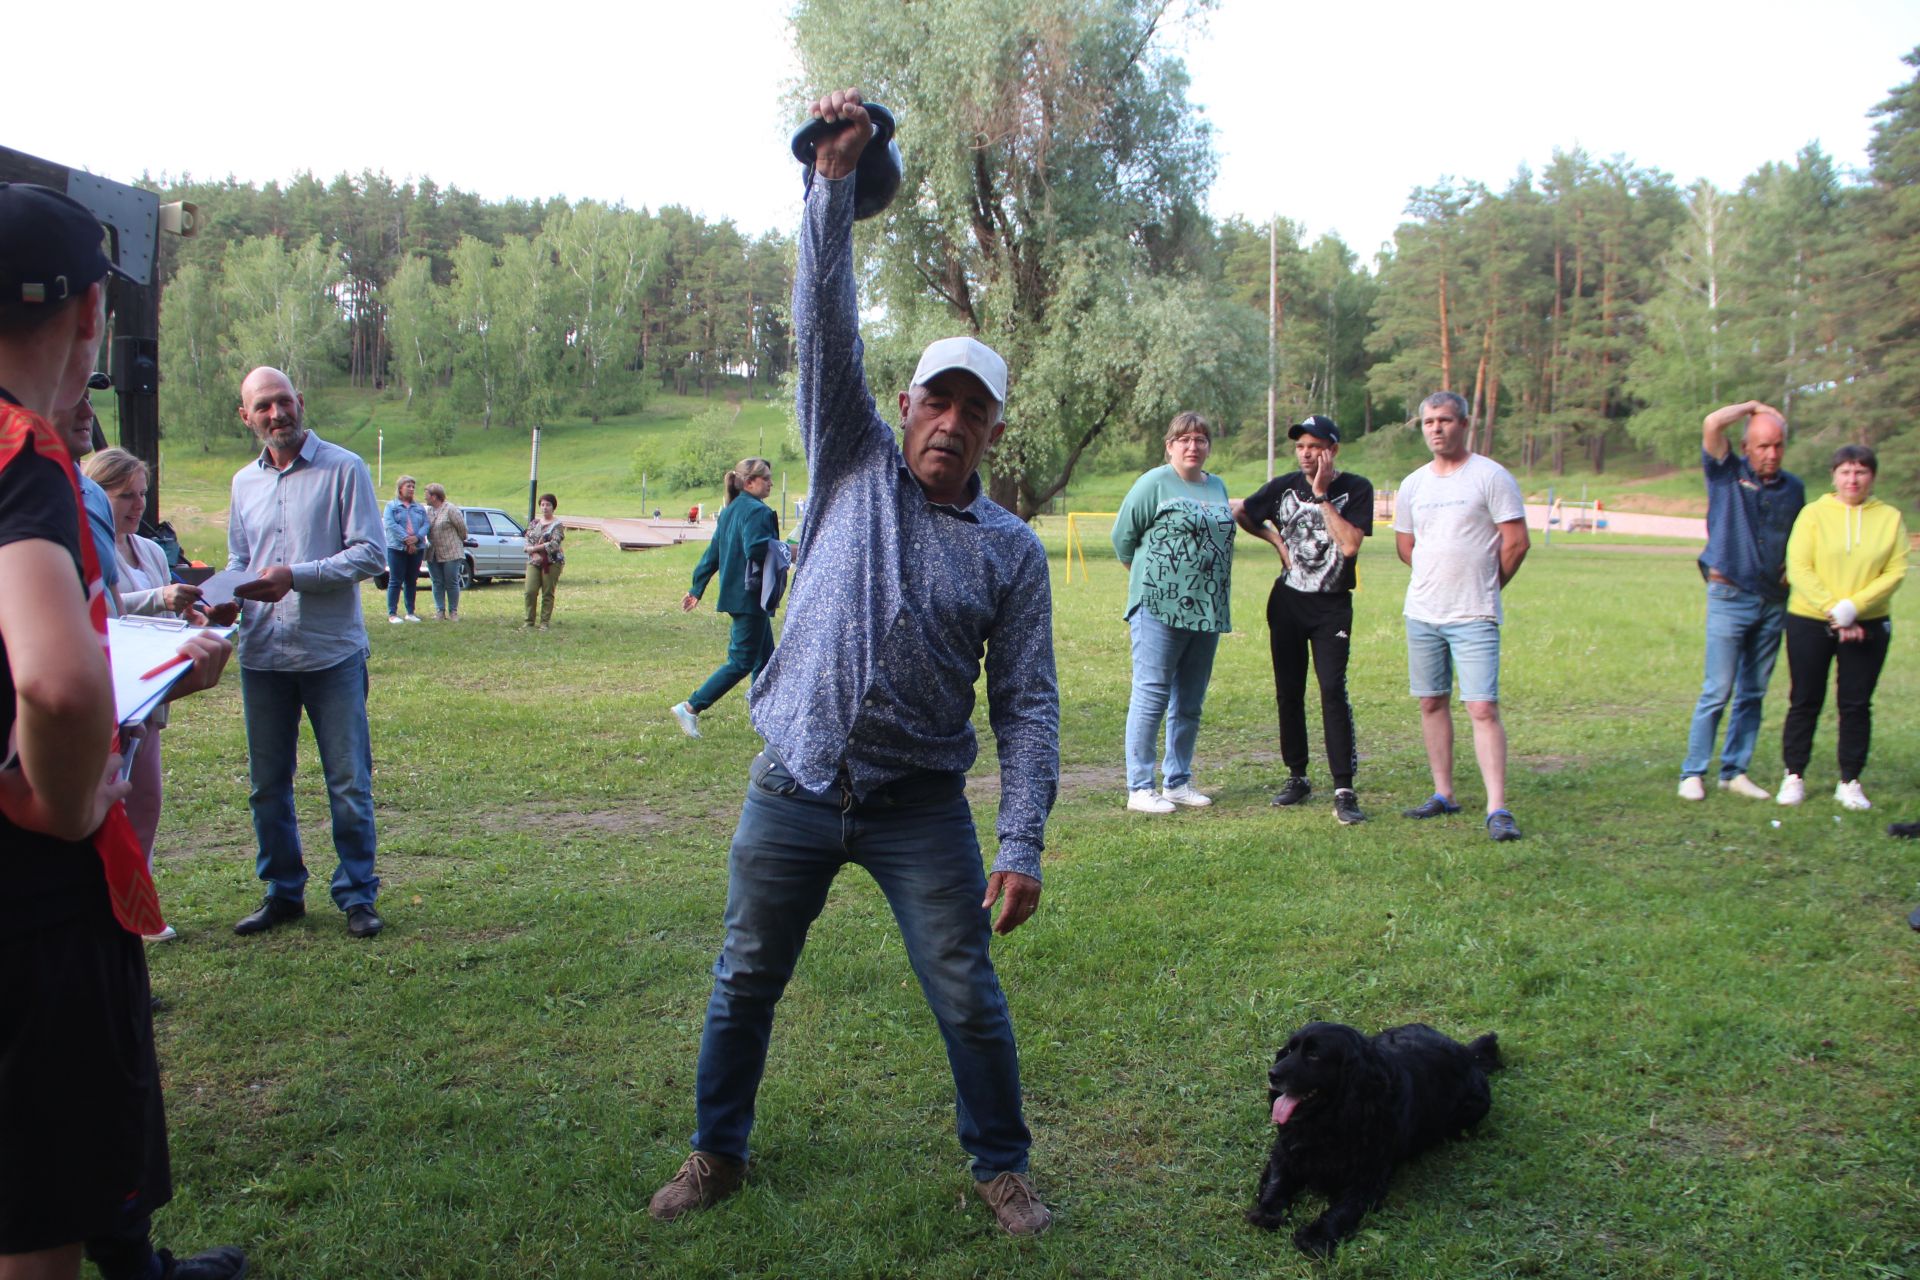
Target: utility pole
(533, 475)
(1273, 282)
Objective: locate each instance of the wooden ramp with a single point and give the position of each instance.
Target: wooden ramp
(643, 534)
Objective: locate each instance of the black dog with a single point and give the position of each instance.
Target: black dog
(1348, 1108)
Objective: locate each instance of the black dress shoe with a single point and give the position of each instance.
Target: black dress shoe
(1296, 790)
(363, 921)
(272, 911)
(223, 1263)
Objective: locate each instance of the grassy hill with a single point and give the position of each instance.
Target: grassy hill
(594, 468)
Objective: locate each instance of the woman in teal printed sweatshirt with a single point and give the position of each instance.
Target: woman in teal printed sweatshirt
(1175, 535)
(740, 537)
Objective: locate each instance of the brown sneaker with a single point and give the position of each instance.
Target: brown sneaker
(1016, 1207)
(703, 1181)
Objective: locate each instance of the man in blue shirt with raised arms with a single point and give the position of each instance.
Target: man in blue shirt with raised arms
(1751, 507)
(913, 579)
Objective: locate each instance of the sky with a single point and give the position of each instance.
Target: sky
(1327, 115)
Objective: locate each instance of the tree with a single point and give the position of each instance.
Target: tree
(1881, 388)
(283, 307)
(199, 383)
(605, 257)
(420, 330)
(1692, 361)
(1054, 174)
(479, 350)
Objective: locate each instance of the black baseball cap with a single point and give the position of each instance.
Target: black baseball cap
(1315, 424)
(51, 246)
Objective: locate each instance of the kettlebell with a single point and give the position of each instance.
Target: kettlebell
(876, 179)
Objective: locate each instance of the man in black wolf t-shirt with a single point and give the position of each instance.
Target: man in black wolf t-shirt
(1315, 518)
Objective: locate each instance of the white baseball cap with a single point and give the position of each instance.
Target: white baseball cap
(969, 354)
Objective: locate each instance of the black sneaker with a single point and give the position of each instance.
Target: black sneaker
(1501, 826)
(223, 1263)
(1434, 806)
(1914, 919)
(1346, 807)
(1904, 831)
(1296, 790)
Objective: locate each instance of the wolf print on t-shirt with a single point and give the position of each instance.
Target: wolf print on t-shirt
(1188, 552)
(1313, 558)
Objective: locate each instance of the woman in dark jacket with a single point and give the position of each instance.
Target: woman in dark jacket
(740, 539)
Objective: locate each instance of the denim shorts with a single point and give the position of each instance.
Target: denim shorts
(1437, 650)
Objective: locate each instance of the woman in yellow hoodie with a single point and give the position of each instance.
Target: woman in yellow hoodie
(1845, 559)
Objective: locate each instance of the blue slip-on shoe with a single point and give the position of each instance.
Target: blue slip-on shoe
(1434, 806)
(1501, 826)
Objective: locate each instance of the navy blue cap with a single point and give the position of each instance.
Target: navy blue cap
(51, 246)
(1315, 425)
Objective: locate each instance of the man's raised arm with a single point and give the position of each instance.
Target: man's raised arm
(835, 409)
(1713, 431)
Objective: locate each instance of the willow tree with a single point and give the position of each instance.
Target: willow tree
(1054, 174)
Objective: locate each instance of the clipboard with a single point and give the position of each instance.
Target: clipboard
(138, 645)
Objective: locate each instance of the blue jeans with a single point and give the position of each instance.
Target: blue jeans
(445, 576)
(1743, 639)
(403, 575)
(749, 646)
(1171, 667)
(916, 839)
(335, 700)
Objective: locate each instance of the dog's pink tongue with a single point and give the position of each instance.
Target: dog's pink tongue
(1283, 1108)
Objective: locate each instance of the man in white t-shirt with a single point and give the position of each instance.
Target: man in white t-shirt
(1459, 521)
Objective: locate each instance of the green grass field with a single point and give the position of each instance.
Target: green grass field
(1708, 1011)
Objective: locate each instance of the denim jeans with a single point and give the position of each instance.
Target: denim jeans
(403, 576)
(1743, 639)
(916, 839)
(445, 576)
(335, 700)
(1439, 651)
(1171, 667)
(749, 646)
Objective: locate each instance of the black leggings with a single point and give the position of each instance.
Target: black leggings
(1302, 624)
(1811, 651)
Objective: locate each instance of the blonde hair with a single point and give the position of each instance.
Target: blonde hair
(402, 483)
(111, 468)
(749, 469)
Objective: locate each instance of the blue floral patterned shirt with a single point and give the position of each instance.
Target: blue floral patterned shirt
(900, 600)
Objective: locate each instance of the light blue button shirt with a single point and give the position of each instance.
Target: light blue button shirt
(320, 518)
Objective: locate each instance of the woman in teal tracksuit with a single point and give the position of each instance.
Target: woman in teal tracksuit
(740, 537)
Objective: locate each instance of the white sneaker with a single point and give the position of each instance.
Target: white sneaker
(1186, 795)
(1691, 788)
(168, 934)
(1852, 797)
(1146, 801)
(1792, 789)
(413, 617)
(689, 719)
(393, 619)
(1741, 785)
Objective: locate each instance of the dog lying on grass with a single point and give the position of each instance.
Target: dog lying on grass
(1347, 1108)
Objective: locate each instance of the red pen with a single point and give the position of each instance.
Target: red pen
(168, 665)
